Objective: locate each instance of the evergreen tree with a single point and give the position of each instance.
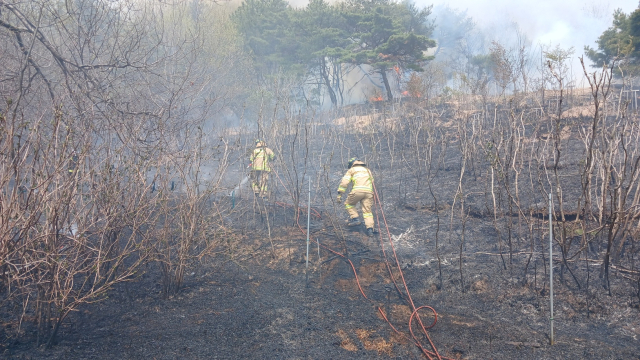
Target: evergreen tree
(314, 42)
(266, 26)
(321, 29)
(386, 35)
(619, 42)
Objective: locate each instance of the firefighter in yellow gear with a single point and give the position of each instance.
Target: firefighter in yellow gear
(73, 163)
(260, 159)
(361, 191)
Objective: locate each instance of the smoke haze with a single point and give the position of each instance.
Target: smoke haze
(547, 23)
(568, 23)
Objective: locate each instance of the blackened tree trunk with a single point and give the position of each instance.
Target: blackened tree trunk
(327, 82)
(387, 87)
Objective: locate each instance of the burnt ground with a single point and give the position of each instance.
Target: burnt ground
(252, 301)
(258, 307)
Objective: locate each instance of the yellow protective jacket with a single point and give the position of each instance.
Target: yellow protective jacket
(359, 176)
(261, 157)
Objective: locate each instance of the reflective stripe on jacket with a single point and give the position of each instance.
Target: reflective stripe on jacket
(359, 176)
(260, 158)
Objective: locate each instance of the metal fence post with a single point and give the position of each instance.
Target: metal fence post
(308, 226)
(551, 335)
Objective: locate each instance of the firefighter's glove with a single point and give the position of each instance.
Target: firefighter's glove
(339, 198)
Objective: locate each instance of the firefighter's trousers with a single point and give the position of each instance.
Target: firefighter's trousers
(259, 181)
(366, 201)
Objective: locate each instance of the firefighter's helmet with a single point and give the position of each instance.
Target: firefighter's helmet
(260, 143)
(351, 161)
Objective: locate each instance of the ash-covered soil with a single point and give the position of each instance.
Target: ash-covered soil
(258, 306)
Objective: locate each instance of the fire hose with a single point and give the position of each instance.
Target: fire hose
(429, 354)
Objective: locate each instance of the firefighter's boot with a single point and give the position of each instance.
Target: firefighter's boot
(370, 232)
(353, 222)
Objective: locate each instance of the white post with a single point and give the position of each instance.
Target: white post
(551, 336)
(308, 223)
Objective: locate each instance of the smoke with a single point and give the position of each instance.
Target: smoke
(545, 23)
(568, 23)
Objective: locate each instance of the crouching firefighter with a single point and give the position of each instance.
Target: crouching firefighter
(260, 159)
(361, 191)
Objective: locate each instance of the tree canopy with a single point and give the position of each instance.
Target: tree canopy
(317, 40)
(621, 41)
